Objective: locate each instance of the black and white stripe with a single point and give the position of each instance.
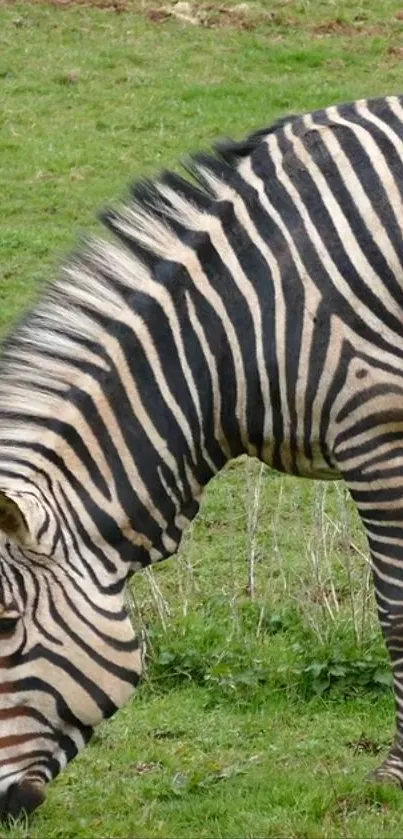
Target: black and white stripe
(255, 306)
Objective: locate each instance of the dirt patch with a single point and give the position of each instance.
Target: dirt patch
(242, 16)
(208, 14)
(344, 29)
(252, 16)
(396, 52)
(212, 16)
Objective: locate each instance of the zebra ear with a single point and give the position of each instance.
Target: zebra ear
(12, 519)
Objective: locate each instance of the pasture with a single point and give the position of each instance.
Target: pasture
(267, 693)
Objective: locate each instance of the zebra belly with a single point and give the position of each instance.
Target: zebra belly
(292, 460)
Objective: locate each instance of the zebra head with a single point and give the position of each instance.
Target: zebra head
(68, 654)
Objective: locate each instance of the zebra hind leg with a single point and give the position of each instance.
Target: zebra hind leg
(378, 493)
(391, 770)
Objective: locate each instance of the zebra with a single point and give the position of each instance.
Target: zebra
(252, 305)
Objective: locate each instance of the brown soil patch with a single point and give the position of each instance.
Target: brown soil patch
(211, 15)
(241, 16)
(396, 51)
(207, 14)
(343, 29)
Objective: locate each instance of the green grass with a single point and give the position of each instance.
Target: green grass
(259, 717)
(202, 769)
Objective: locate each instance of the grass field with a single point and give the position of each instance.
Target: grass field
(267, 697)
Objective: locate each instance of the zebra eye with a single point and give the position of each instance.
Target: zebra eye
(8, 624)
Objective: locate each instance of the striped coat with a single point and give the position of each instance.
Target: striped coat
(254, 307)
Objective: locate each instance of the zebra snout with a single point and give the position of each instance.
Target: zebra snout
(21, 799)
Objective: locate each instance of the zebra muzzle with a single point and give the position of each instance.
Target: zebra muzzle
(21, 799)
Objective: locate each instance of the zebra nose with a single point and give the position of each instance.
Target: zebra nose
(21, 799)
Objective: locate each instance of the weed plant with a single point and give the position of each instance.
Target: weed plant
(308, 626)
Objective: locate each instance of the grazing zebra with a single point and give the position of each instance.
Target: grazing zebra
(254, 308)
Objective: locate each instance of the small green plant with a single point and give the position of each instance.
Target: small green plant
(204, 649)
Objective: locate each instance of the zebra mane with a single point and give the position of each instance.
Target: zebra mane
(46, 352)
(233, 152)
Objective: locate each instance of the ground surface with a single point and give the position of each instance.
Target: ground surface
(263, 710)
